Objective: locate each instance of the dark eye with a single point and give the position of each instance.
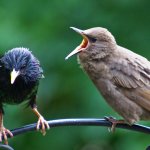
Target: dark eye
(92, 39)
(22, 67)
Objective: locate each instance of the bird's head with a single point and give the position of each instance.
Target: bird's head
(20, 62)
(95, 41)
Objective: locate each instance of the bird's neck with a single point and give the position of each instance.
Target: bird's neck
(94, 69)
(95, 62)
(97, 52)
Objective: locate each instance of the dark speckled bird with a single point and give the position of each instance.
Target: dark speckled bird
(19, 81)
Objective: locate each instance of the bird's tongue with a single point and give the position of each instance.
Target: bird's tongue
(79, 48)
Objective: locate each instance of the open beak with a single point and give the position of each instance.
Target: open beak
(13, 75)
(82, 46)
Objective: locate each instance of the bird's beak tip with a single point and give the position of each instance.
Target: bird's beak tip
(77, 50)
(12, 82)
(66, 58)
(77, 30)
(13, 75)
(73, 28)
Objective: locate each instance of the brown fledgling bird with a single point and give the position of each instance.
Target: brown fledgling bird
(120, 75)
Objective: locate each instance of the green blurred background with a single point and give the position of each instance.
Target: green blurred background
(66, 92)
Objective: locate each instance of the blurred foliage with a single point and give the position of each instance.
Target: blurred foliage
(43, 26)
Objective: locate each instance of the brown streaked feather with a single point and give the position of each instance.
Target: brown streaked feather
(143, 96)
(131, 73)
(140, 96)
(133, 76)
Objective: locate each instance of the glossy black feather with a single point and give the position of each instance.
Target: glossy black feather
(26, 84)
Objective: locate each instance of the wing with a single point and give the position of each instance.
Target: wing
(132, 74)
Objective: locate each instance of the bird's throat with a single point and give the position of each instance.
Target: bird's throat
(84, 43)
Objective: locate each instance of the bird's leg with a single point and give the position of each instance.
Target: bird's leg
(3, 131)
(41, 121)
(42, 124)
(114, 123)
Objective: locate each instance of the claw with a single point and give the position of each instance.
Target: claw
(42, 125)
(5, 133)
(114, 123)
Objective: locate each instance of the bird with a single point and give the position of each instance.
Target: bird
(20, 73)
(121, 76)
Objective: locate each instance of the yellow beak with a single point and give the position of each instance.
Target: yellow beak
(13, 75)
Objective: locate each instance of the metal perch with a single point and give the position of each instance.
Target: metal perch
(82, 122)
(78, 122)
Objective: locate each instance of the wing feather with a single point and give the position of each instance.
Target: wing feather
(132, 74)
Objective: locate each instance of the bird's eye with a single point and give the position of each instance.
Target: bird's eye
(22, 67)
(92, 39)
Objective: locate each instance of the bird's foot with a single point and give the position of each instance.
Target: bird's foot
(114, 122)
(4, 133)
(42, 125)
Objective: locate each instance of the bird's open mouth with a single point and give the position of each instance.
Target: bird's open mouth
(83, 44)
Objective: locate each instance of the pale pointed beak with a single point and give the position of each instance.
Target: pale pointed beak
(77, 30)
(82, 45)
(77, 50)
(13, 75)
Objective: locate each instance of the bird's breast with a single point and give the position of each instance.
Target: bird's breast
(95, 69)
(99, 73)
(15, 93)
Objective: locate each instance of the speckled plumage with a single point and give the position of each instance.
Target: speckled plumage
(20, 73)
(26, 84)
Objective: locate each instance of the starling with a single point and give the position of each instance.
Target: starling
(120, 75)
(19, 81)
